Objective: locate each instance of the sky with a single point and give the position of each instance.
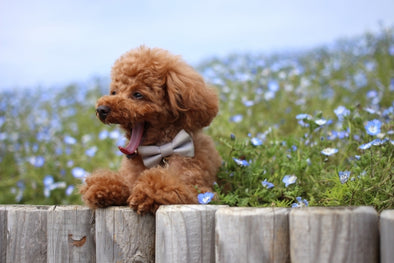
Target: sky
(46, 42)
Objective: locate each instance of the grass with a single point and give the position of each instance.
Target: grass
(306, 115)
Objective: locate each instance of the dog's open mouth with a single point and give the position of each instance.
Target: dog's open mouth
(135, 139)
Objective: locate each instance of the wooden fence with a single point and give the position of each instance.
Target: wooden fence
(195, 233)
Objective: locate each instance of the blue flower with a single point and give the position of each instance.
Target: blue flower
(241, 162)
(269, 95)
(391, 52)
(69, 190)
(37, 161)
(365, 146)
(79, 172)
(340, 135)
(341, 112)
(387, 112)
(49, 185)
(372, 110)
(289, 179)
(115, 134)
(372, 94)
(236, 118)
(344, 176)
(256, 141)
(205, 198)
(267, 184)
(69, 140)
(48, 180)
(103, 134)
(248, 103)
(302, 123)
(273, 86)
(329, 151)
(373, 127)
(321, 122)
(294, 148)
(91, 151)
(3, 136)
(303, 116)
(378, 142)
(300, 203)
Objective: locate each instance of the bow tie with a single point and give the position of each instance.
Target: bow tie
(153, 155)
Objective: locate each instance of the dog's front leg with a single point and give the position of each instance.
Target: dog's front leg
(158, 186)
(104, 188)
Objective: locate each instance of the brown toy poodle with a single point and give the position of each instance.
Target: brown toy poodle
(162, 104)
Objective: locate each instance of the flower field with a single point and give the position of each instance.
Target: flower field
(310, 128)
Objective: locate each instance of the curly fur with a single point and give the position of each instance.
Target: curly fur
(174, 97)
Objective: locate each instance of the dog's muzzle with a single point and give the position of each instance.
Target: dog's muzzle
(103, 112)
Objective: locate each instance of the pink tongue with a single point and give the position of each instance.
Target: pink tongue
(135, 140)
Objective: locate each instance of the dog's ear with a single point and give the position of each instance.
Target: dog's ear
(189, 97)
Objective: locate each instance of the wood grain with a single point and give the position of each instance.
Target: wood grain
(387, 236)
(71, 234)
(252, 235)
(185, 233)
(3, 234)
(124, 236)
(334, 235)
(27, 233)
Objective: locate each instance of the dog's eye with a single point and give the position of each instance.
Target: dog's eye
(113, 92)
(137, 95)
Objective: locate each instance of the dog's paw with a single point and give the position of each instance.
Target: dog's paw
(141, 202)
(100, 193)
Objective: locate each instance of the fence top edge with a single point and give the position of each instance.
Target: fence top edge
(189, 208)
(254, 210)
(199, 207)
(389, 214)
(27, 207)
(335, 210)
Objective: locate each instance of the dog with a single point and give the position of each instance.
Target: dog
(162, 104)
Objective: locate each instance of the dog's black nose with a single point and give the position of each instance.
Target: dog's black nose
(103, 111)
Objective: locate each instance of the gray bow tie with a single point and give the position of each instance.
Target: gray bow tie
(182, 145)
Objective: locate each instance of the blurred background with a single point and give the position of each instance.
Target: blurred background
(306, 91)
(48, 43)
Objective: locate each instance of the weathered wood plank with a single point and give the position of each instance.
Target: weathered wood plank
(27, 233)
(185, 233)
(71, 234)
(3, 234)
(334, 235)
(124, 236)
(252, 235)
(387, 236)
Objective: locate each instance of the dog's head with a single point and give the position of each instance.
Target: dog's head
(152, 90)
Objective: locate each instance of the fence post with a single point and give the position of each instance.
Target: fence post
(252, 235)
(387, 236)
(27, 233)
(71, 234)
(3, 233)
(185, 233)
(124, 236)
(334, 235)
